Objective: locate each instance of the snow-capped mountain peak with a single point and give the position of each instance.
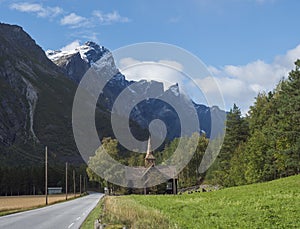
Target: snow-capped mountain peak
(77, 60)
(90, 52)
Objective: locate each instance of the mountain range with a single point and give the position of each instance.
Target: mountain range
(77, 61)
(37, 91)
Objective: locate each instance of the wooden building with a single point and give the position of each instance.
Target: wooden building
(144, 176)
(54, 190)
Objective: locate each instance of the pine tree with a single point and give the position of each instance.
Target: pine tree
(237, 132)
(289, 121)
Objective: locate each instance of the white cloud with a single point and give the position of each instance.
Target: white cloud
(257, 72)
(128, 61)
(166, 71)
(74, 21)
(289, 58)
(71, 46)
(37, 9)
(237, 84)
(213, 70)
(172, 64)
(232, 90)
(109, 18)
(241, 84)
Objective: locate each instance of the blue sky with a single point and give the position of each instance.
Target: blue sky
(249, 45)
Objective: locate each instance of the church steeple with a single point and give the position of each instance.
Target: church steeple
(149, 159)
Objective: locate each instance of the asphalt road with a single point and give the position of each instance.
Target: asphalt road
(67, 215)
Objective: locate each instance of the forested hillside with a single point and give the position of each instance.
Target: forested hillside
(265, 144)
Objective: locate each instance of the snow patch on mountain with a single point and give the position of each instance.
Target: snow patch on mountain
(86, 51)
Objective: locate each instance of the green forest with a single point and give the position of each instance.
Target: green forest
(264, 145)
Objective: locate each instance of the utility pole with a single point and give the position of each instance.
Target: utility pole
(74, 183)
(174, 184)
(84, 183)
(46, 175)
(66, 180)
(80, 184)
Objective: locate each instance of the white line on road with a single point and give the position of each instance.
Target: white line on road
(78, 218)
(70, 225)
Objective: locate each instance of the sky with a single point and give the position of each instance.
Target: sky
(248, 45)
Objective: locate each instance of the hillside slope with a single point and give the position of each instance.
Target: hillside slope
(35, 103)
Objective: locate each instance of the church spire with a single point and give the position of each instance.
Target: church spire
(149, 159)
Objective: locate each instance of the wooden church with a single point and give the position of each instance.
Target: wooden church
(145, 176)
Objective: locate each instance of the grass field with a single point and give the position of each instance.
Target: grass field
(11, 204)
(274, 204)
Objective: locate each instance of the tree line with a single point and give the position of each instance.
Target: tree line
(30, 180)
(265, 144)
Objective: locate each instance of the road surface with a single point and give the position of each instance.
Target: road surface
(67, 215)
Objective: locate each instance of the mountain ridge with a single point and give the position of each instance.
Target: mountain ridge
(89, 53)
(35, 103)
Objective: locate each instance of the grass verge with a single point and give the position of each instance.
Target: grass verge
(116, 212)
(95, 214)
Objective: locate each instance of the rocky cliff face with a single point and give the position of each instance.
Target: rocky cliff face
(76, 62)
(19, 55)
(35, 102)
(36, 98)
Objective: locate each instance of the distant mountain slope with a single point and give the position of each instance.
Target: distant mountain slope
(35, 103)
(75, 63)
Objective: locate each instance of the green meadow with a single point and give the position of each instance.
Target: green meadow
(274, 204)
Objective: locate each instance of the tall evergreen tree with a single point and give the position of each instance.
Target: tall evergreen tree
(237, 132)
(289, 121)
